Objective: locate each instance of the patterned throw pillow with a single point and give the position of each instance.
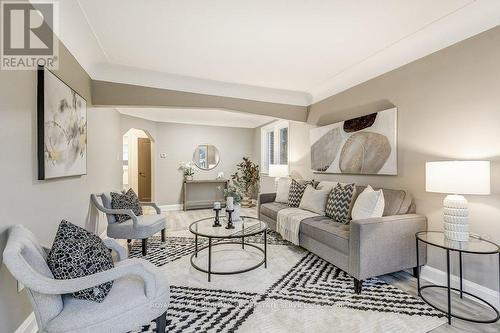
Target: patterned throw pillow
(339, 203)
(296, 192)
(128, 200)
(76, 253)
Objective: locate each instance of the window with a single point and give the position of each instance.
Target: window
(283, 149)
(274, 145)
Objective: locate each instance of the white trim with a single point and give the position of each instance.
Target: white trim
(437, 276)
(166, 208)
(28, 326)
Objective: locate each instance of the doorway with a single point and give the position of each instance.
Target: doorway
(137, 163)
(144, 168)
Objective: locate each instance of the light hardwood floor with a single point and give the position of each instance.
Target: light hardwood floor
(179, 220)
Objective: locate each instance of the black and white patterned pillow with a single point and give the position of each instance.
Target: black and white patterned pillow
(339, 203)
(127, 200)
(296, 192)
(76, 253)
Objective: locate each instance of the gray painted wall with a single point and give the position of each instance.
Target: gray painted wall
(449, 108)
(109, 94)
(40, 205)
(179, 142)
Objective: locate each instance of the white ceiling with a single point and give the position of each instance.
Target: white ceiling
(209, 117)
(286, 51)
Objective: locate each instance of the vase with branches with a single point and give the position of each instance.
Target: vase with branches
(246, 179)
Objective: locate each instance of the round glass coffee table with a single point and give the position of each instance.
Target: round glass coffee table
(475, 246)
(246, 227)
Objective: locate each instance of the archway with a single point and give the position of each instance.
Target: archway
(138, 163)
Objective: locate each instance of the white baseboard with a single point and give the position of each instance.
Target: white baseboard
(437, 276)
(171, 207)
(29, 325)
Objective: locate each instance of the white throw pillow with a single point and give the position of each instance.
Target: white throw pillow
(314, 200)
(283, 189)
(326, 185)
(370, 203)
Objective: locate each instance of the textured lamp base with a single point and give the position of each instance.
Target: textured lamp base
(456, 218)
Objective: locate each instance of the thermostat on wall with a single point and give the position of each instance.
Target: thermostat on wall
(163, 155)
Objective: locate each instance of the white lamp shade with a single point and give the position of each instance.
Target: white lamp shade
(278, 170)
(458, 177)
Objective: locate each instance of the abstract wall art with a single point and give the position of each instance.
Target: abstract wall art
(364, 145)
(62, 128)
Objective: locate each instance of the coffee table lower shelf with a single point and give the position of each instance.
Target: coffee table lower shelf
(209, 271)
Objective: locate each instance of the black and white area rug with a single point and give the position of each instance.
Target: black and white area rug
(298, 292)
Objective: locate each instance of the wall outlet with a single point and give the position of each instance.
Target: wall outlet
(20, 287)
(163, 155)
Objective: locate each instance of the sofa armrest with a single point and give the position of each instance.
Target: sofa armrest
(264, 198)
(384, 245)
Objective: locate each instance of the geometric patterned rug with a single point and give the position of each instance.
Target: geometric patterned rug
(309, 282)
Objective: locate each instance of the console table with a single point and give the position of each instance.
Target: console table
(203, 193)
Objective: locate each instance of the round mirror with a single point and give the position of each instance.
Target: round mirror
(206, 157)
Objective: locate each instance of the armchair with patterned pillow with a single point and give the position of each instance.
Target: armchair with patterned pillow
(124, 223)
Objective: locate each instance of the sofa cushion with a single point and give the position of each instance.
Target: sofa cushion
(397, 202)
(369, 204)
(282, 190)
(340, 201)
(128, 200)
(77, 253)
(325, 230)
(326, 185)
(314, 200)
(271, 209)
(147, 226)
(297, 189)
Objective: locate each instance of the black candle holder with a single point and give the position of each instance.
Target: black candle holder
(230, 219)
(216, 221)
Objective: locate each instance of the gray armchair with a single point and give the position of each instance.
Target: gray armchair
(137, 227)
(139, 295)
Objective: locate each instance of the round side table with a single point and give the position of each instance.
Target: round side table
(476, 246)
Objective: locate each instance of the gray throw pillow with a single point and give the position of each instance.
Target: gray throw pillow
(128, 200)
(314, 200)
(339, 203)
(77, 253)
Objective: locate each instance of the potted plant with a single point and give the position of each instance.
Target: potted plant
(246, 178)
(187, 170)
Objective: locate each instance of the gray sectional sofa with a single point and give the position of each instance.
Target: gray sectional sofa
(364, 248)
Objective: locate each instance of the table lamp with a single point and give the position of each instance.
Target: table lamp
(278, 171)
(457, 178)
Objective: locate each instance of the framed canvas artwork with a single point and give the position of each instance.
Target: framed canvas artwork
(365, 145)
(62, 128)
